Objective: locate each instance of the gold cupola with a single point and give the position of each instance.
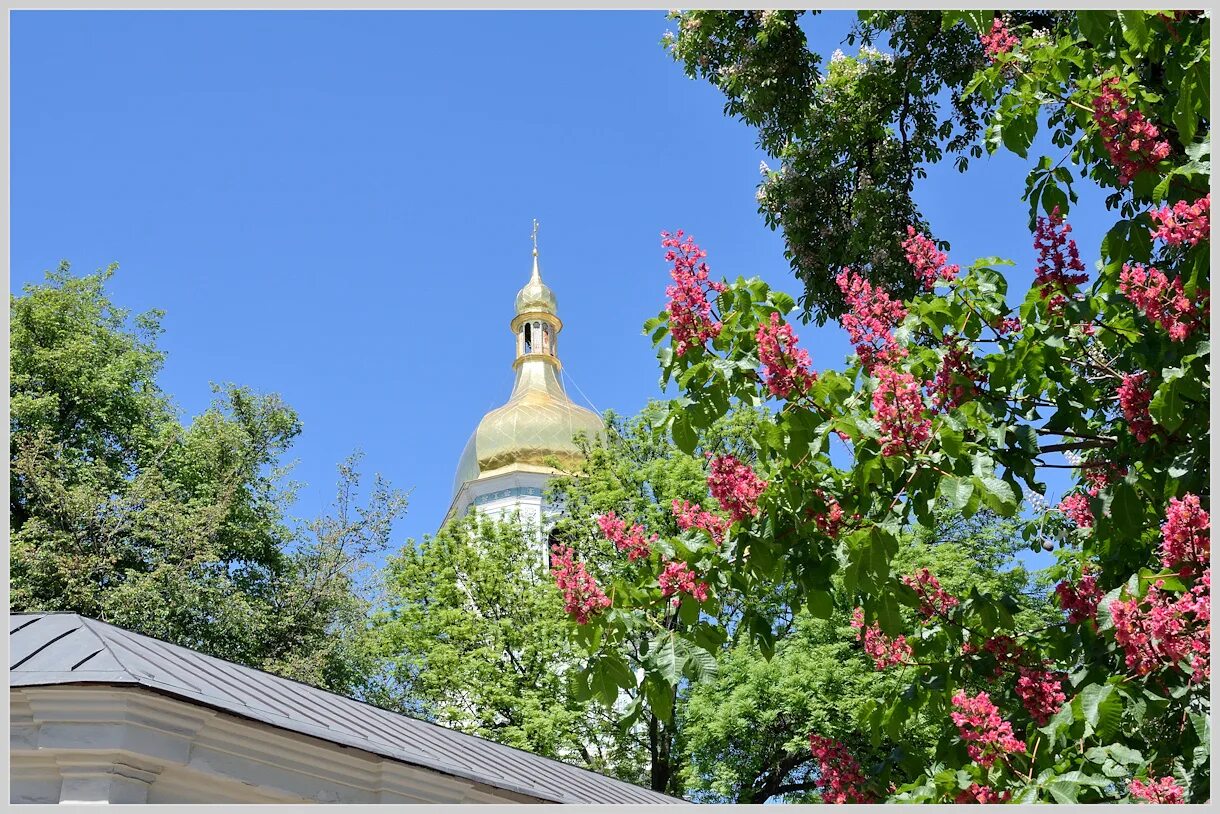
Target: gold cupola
(536, 427)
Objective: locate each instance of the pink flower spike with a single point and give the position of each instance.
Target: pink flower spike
(1163, 791)
(986, 734)
(931, 264)
(736, 486)
(998, 40)
(785, 367)
(1183, 222)
(1132, 142)
(582, 598)
(690, 312)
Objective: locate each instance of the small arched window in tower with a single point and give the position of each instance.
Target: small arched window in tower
(546, 338)
(529, 338)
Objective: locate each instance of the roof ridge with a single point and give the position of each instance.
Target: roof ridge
(87, 623)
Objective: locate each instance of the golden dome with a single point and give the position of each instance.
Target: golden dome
(534, 430)
(536, 296)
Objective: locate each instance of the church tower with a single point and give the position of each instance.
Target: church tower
(521, 445)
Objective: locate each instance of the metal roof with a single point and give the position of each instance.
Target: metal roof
(66, 648)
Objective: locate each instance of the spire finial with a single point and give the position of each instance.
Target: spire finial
(534, 237)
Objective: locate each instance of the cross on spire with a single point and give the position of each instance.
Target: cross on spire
(534, 237)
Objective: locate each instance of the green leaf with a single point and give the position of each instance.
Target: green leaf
(1135, 29)
(1095, 25)
(997, 494)
(956, 491)
(683, 435)
(1101, 709)
(1184, 115)
(820, 604)
(666, 657)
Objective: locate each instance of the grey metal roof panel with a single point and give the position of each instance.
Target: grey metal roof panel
(65, 648)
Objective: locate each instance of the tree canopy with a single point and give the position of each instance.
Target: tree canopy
(122, 513)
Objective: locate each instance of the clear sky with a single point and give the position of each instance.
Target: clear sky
(336, 206)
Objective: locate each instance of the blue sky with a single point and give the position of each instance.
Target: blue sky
(336, 206)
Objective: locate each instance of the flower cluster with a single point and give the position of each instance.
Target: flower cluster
(630, 540)
(1003, 649)
(1166, 629)
(930, 263)
(957, 379)
(982, 794)
(736, 486)
(870, 320)
(785, 367)
(1132, 142)
(1079, 600)
(693, 516)
(1059, 266)
(999, 40)
(899, 410)
(1099, 474)
(690, 313)
(1165, 791)
(933, 600)
(986, 734)
(677, 577)
(1162, 300)
(883, 650)
(1076, 507)
(1184, 534)
(1183, 222)
(1041, 693)
(840, 778)
(1134, 396)
(829, 522)
(1007, 325)
(582, 598)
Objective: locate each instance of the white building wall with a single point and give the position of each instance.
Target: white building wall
(104, 744)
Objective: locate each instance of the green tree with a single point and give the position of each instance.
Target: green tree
(122, 513)
(957, 397)
(748, 730)
(471, 633)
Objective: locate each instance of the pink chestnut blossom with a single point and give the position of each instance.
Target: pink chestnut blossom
(736, 486)
(1079, 600)
(632, 541)
(870, 320)
(1076, 507)
(693, 516)
(785, 367)
(899, 411)
(884, 651)
(582, 598)
(986, 734)
(840, 778)
(933, 600)
(982, 794)
(677, 577)
(931, 264)
(1134, 396)
(1162, 300)
(690, 313)
(1132, 142)
(1165, 791)
(1041, 693)
(1059, 268)
(1184, 534)
(998, 40)
(1183, 222)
